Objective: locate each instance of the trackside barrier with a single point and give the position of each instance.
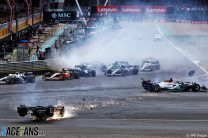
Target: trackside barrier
(179, 21)
(34, 66)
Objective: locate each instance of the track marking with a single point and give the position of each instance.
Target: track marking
(163, 120)
(75, 89)
(180, 51)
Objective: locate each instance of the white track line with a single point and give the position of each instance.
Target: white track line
(162, 120)
(180, 51)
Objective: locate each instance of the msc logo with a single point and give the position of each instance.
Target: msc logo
(54, 15)
(61, 15)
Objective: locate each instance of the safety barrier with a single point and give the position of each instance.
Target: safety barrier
(34, 66)
(178, 21)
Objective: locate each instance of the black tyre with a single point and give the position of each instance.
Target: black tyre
(135, 72)
(30, 79)
(196, 88)
(10, 81)
(124, 72)
(22, 110)
(156, 88)
(50, 111)
(93, 73)
(33, 80)
(76, 75)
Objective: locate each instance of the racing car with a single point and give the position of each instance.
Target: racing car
(158, 37)
(85, 71)
(65, 74)
(18, 78)
(150, 64)
(41, 112)
(121, 68)
(100, 67)
(174, 86)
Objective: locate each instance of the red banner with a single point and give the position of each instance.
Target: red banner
(131, 9)
(156, 9)
(106, 9)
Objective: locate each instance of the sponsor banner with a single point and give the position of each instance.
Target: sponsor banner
(131, 9)
(4, 31)
(107, 9)
(156, 9)
(59, 16)
(134, 9)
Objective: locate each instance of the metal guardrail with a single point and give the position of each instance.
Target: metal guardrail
(34, 66)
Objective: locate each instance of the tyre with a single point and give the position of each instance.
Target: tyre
(50, 111)
(196, 88)
(33, 79)
(22, 111)
(186, 89)
(76, 75)
(93, 73)
(156, 88)
(9, 81)
(124, 72)
(30, 79)
(43, 77)
(135, 72)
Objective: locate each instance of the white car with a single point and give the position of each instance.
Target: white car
(157, 37)
(150, 64)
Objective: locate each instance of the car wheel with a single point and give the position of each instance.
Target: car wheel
(196, 88)
(135, 72)
(32, 80)
(156, 88)
(124, 73)
(76, 75)
(9, 81)
(93, 73)
(22, 111)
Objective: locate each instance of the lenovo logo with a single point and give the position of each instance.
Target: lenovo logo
(108, 9)
(156, 10)
(129, 9)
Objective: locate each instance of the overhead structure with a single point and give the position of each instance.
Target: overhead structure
(80, 10)
(106, 2)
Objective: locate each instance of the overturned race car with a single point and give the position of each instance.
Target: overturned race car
(18, 78)
(41, 112)
(121, 68)
(173, 86)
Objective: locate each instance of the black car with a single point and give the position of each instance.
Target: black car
(84, 71)
(41, 112)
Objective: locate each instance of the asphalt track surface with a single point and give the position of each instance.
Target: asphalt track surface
(117, 106)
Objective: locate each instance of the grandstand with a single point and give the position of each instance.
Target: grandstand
(18, 19)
